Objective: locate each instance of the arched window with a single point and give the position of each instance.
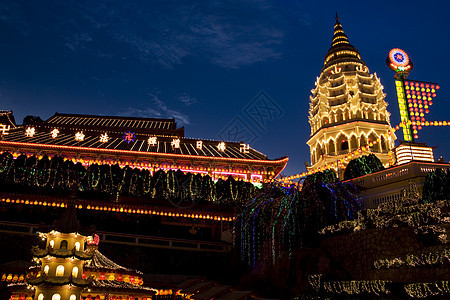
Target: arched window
(353, 143)
(331, 148)
(383, 144)
(41, 296)
(63, 244)
(46, 268)
(73, 297)
(52, 243)
(60, 271)
(56, 297)
(75, 272)
(77, 246)
(372, 139)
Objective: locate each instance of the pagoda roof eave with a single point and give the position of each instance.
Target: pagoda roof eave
(275, 162)
(329, 126)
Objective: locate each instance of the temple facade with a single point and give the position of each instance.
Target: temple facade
(348, 110)
(144, 143)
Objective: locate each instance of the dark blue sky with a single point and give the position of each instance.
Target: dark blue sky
(205, 62)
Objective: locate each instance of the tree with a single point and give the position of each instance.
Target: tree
(363, 165)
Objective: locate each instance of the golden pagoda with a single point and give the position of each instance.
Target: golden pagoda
(70, 267)
(348, 111)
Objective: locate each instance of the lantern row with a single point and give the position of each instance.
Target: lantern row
(123, 209)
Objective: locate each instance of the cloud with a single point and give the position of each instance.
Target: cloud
(186, 99)
(158, 110)
(228, 34)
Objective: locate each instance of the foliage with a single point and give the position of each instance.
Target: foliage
(363, 165)
(280, 219)
(436, 186)
(29, 120)
(408, 211)
(47, 175)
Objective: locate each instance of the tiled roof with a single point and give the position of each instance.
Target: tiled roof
(111, 124)
(187, 146)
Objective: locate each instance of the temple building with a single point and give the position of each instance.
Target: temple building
(70, 267)
(348, 110)
(144, 143)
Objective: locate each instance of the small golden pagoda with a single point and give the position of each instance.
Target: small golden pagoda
(70, 267)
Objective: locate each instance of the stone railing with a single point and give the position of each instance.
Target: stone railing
(388, 184)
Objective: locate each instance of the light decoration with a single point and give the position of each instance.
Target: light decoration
(152, 141)
(406, 153)
(175, 143)
(399, 61)
(428, 289)
(404, 116)
(54, 133)
(129, 137)
(420, 96)
(127, 209)
(356, 287)
(30, 131)
(244, 148)
(425, 218)
(104, 138)
(199, 145)
(221, 146)
(4, 129)
(79, 136)
(439, 257)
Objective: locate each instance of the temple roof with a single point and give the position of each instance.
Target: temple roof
(7, 118)
(341, 50)
(187, 146)
(112, 124)
(99, 261)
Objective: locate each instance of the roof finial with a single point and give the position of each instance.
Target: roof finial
(337, 18)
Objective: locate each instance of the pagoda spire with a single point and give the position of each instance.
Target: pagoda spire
(341, 50)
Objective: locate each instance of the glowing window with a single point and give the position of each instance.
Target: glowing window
(41, 296)
(63, 244)
(77, 246)
(60, 271)
(46, 268)
(73, 297)
(75, 272)
(52, 243)
(56, 297)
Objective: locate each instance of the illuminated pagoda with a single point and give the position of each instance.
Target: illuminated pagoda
(348, 111)
(70, 267)
(143, 143)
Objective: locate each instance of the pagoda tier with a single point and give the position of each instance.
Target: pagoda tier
(152, 144)
(347, 109)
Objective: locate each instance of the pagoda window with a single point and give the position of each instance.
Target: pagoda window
(325, 121)
(372, 139)
(342, 144)
(353, 143)
(63, 244)
(73, 297)
(331, 147)
(52, 243)
(40, 297)
(46, 268)
(60, 271)
(339, 116)
(362, 141)
(56, 297)
(75, 272)
(383, 144)
(77, 246)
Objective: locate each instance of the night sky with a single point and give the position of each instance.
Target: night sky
(211, 65)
